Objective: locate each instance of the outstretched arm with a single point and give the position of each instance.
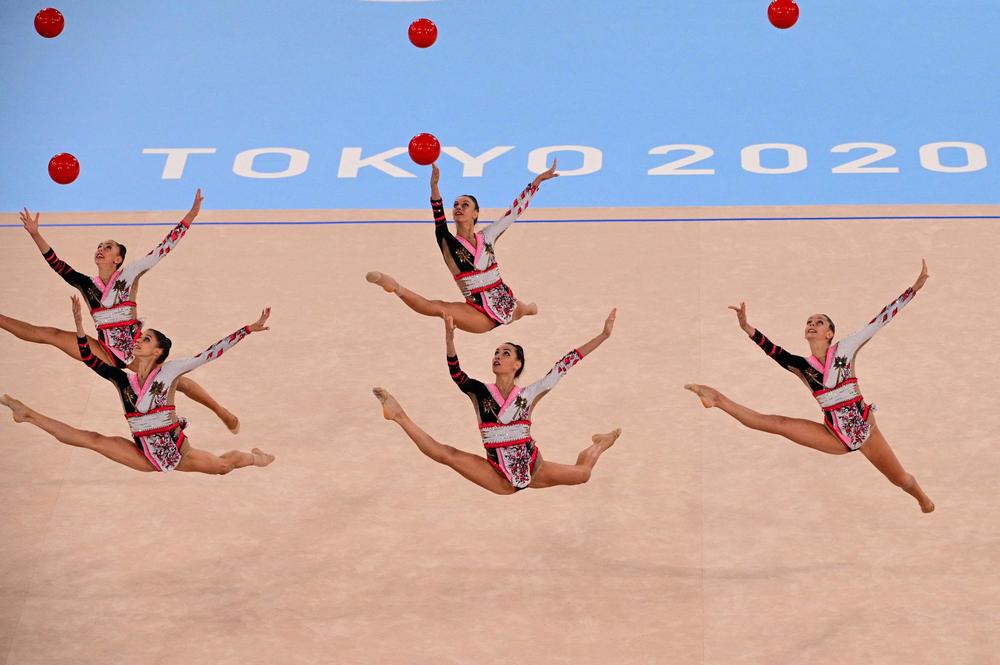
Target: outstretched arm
(215, 351)
(789, 361)
(169, 242)
(520, 204)
(86, 353)
(437, 205)
(540, 388)
(63, 269)
(856, 340)
(609, 325)
(465, 383)
(31, 226)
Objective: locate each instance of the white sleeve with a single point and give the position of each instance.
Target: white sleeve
(520, 204)
(185, 365)
(135, 269)
(549, 381)
(850, 344)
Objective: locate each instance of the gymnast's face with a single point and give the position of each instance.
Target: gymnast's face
(464, 210)
(146, 346)
(108, 254)
(505, 360)
(818, 328)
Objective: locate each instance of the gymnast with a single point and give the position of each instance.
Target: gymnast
(504, 411)
(111, 298)
(147, 394)
(470, 257)
(848, 423)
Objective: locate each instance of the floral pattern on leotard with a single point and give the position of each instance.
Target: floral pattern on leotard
(517, 460)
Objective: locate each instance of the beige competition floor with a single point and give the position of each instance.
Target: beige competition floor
(696, 541)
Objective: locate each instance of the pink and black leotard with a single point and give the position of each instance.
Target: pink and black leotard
(505, 422)
(832, 380)
(112, 304)
(149, 409)
(475, 268)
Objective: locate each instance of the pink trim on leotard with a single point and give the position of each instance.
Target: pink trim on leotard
(477, 250)
(106, 287)
(498, 396)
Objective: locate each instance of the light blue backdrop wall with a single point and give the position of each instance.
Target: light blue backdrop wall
(618, 77)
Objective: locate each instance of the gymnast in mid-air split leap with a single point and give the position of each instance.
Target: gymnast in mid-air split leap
(470, 257)
(111, 298)
(504, 410)
(848, 423)
(158, 440)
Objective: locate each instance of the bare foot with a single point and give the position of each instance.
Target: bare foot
(927, 506)
(709, 396)
(528, 309)
(18, 410)
(260, 458)
(385, 281)
(231, 422)
(605, 441)
(391, 410)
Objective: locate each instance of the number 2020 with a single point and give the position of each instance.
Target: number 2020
(796, 158)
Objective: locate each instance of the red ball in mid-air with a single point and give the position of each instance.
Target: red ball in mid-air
(423, 32)
(424, 149)
(783, 13)
(64, 168)
(49, 22)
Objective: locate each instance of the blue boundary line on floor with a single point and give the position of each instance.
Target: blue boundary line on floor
(659, 220)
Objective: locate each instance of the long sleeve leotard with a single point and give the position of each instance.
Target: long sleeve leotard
(832, 381)
(505, 422)
(475, 268)
(149, 408)
(112, 305)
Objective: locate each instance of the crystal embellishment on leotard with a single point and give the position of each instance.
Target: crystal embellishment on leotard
(500, 435)
(474, 282)
(145, 422)
(122, 313)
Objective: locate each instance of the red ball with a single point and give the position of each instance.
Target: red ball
(783, 13)
(49, 22)
(424, 149)
(423, 32)
(63, 168)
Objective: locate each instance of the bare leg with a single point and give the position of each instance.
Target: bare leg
(803, 432)
(200, 461)
(524, 309)
(115, 448)
(466, 317)
(550, 474)
(471, 467)
(878, 452)
(200, 395)
(63, 340)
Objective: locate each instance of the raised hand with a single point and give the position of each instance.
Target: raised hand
(922, 277)
(195, 207)
(741, 316)
(77, 315)
(546, 175)
(259, 324)
(30, 224)
(609, 323)
(435, 174)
